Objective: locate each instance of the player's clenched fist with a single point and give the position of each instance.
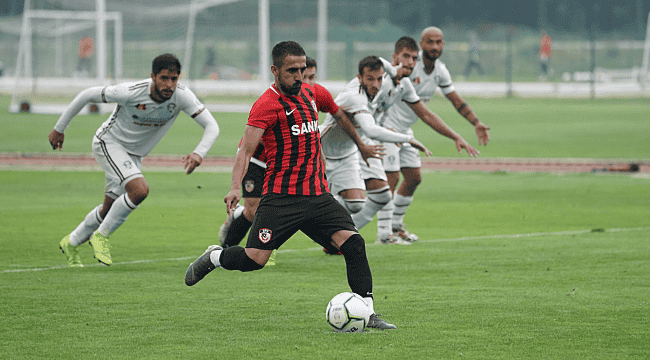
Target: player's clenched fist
(56, 140)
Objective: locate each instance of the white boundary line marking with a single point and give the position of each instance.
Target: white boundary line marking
(487, 237)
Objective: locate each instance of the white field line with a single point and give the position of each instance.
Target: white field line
(487, 237)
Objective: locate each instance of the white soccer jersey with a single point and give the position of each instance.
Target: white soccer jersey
(400, 118)
(335, 142)
(138, 123)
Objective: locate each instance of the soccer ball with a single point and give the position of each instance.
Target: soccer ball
(348, 312)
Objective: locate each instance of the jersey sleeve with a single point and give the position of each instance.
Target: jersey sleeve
(410, 95)
(263, 114)
(353, 102)
(190, 104)
(116, 94)
(445, 83)
(324, 100)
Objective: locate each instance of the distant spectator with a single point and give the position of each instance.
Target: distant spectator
(473, 55)
(545, 52)
(209, 66)
(86, 50)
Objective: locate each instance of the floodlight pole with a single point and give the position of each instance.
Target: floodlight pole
(509, 33)
(322, 39)
(118, 46)
(58, 49)
(100, 36)
(189, 41)
(264, 42)
(25, 47)
(646, 56)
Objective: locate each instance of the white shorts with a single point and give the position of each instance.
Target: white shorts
(403, 156)
(374, 171)
(120, 167)
(344, 174)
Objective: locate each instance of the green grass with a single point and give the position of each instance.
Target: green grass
(534, 128)
(471, 288)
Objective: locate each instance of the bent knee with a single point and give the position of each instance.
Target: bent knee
(354, 205)
(137, 195)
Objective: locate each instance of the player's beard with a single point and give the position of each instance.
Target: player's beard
(365, 88)
(292, 90)
(161, 95)
(432, 55)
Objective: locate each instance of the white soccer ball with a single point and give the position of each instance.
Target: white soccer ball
(348, 312)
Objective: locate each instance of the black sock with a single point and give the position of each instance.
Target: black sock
(237, 231)
(235, 258)
(356, 263)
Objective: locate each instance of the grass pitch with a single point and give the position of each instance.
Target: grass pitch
(508, 267)
(534, 128)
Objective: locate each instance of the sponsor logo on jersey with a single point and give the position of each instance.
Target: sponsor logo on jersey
(141, 107)
(307, 127)
(171, 107)
(417, 80)
(128, 164)
(313, 104)
(265, 235)
(249, 185)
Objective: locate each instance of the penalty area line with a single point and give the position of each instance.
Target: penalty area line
(486, 237)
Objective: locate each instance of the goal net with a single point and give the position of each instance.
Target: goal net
(55, 56)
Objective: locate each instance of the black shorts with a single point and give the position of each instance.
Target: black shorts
(280, 216)
(253, 182)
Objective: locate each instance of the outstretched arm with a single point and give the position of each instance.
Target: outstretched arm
(439, 126)
(252, 137)
(464, 109)
(210, 134)
(367, 123)
(367, 151)
(90, 95)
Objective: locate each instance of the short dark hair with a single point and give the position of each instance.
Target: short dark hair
(311, 62)
(406, 42)
(371, 62)
(282, 49)
(165, 61)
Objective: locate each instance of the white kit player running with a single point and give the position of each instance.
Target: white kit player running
(348, 175)
(426, 75)
(145, 111)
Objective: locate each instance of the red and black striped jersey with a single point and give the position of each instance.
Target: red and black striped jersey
(259, 156)
(291, 139)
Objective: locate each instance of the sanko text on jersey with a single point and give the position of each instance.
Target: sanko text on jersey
(306, 127)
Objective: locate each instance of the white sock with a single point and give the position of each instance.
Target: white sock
(401, 205)
(375, 200)
(214, 257)
(117, 215)
(370, 302)
(83, 231)
(239, 209)
(385, 220)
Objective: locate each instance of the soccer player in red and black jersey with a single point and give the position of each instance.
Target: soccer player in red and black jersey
(296, 195)
(236, 226)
